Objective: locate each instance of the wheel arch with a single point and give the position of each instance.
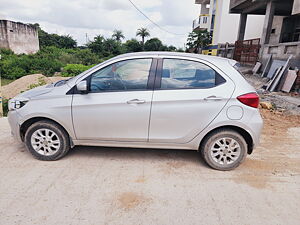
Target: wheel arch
(26, 124)
(241, 131)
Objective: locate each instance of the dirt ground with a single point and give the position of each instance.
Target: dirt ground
(94, 185)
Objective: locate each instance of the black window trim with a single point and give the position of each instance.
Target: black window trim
(150, 82)
(159, 70)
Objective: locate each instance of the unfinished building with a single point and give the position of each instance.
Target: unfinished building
(20, 38)
(281, 29)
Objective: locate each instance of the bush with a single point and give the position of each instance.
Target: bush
(71, 70)
(47, 61)
(40, 82)
(15, 66)
(5, 106)
(80, 56)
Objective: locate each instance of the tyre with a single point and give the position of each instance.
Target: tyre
(224, 149)
(46, 140)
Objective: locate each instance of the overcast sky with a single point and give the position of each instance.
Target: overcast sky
(78, 17)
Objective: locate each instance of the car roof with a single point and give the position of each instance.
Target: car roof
(209, 58)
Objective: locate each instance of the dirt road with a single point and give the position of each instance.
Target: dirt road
(138, 186)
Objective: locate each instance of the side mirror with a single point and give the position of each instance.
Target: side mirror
(82, 86)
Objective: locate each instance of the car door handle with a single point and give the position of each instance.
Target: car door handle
(136, 101)
(213, 98)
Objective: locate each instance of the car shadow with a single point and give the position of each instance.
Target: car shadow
(143, 154)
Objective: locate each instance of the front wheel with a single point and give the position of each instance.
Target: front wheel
(224, 149)
(46, 140)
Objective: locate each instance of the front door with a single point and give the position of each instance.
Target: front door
(117, 107)
(189, 96)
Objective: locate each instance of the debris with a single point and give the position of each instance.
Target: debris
(274, 66)
(267, 67)
(277, 76)
(266, 105)
(297, 82)
(282, 71)
(256, 68)
(269, 84)
(289, 80)
(287, 102)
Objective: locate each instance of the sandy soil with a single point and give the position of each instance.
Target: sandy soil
(23, 84)
(94, 185)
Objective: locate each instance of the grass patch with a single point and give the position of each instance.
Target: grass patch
(5, 81)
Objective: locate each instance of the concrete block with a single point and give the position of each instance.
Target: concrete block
(289, 80)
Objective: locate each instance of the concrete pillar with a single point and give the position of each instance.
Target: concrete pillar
(242, 27)
(268, 23)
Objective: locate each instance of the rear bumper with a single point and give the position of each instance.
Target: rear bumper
(13, 119)
(256, 125)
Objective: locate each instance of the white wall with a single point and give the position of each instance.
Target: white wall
(296, 7)
(254, 26)
(226, 27)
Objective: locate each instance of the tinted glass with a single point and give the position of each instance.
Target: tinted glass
(180, 74)
(121, 76)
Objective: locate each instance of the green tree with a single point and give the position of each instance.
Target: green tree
(133, 45)
(97, 45)
(143, 32)
(59, 41)
(172, 48)
(112, 47)
(106, 47)
(154, 44)
(66, 41)
(198, 39)
(118, 35)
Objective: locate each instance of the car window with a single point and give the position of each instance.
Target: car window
(181, 74)
(121, 76)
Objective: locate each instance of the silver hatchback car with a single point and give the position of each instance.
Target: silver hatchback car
(144, 100)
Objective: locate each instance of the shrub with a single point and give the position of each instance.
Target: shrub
(5, 106)
(71, 70)
(40, 82)
(15, 66)
(87, 57)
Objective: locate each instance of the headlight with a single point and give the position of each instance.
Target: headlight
(14, 104)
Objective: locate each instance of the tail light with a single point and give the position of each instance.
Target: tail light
(250, 99)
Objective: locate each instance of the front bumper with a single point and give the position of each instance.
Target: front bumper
(14, 122)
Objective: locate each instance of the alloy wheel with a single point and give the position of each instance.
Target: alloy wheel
(45, 141)
(225, 151)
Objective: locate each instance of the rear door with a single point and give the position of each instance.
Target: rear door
(188, 96)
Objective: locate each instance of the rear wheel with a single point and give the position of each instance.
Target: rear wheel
(46, 140)
(224, 149)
